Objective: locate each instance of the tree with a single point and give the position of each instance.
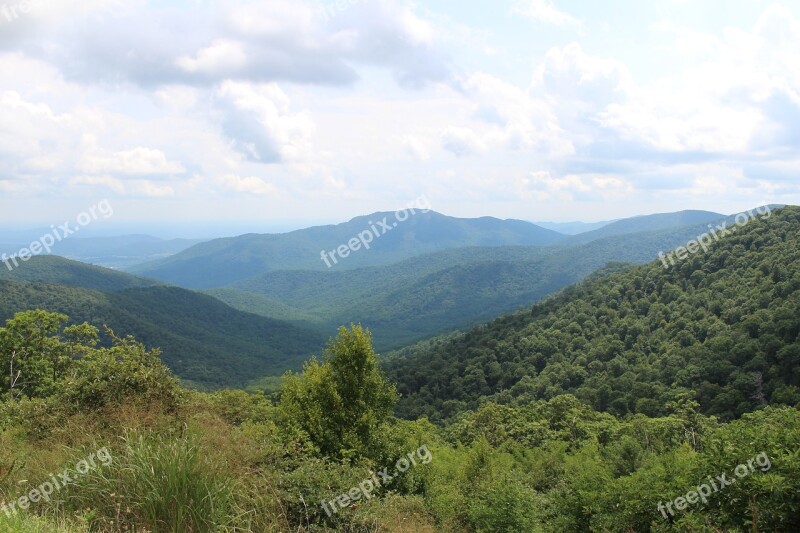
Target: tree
(342, 402)
(35, 353)
(39, 358)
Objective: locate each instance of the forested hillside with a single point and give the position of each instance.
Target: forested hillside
(656, 222)
(721, 326)
(204, 341)
(53, 269)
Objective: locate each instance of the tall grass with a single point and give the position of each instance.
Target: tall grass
(23, 523)
(156, 483)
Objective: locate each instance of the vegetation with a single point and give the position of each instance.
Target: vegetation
(598, 409)
(661, 221)
(722, 327)
(57, 270)
(184, 461)
(222, 262)
(205, 342)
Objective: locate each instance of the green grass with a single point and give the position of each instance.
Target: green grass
(164, 484)
(23, 523)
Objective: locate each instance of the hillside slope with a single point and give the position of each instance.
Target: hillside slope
(52, 269)
(721, 326)
(204, 341)
(656, 222)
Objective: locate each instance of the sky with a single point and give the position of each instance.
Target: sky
(293, 112)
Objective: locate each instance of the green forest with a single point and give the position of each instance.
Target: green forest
(644, 399)
(722, 327)
(205, 342)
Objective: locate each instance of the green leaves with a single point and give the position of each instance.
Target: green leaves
(32, 354)
(340, 403)
(39, 358)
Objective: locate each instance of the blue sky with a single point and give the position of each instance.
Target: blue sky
(297, 111)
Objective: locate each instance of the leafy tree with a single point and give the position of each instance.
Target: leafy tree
(341, 402)
(40, 358)
(35, 352)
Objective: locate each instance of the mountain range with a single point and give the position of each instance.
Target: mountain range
(442, 291)
(221, 262)
(259, 316)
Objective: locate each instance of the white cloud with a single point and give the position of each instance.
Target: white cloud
(136, 187)
(207, 43)
(224, 56)
(544, 11)
(727, 101)
(140, 100)
(516, 119)
(137, 160)
(179, 98)
(259, 121)
(250, 185)
(542, 185)
(569, 76)
(417, 148)
(462, 142)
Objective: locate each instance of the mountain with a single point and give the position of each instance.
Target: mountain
(441, 291)
(721, 326)
(204, 341)
(222, 262)
(655, 222)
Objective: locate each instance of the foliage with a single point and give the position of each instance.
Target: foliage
(205, 342)
(587, 413)
(341, 402)
(223, 261)
(721, 328)
(113, 376)
(164, 483)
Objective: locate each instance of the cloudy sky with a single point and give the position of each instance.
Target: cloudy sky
(318, 110)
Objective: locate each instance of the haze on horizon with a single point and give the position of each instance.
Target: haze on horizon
(295, 113)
